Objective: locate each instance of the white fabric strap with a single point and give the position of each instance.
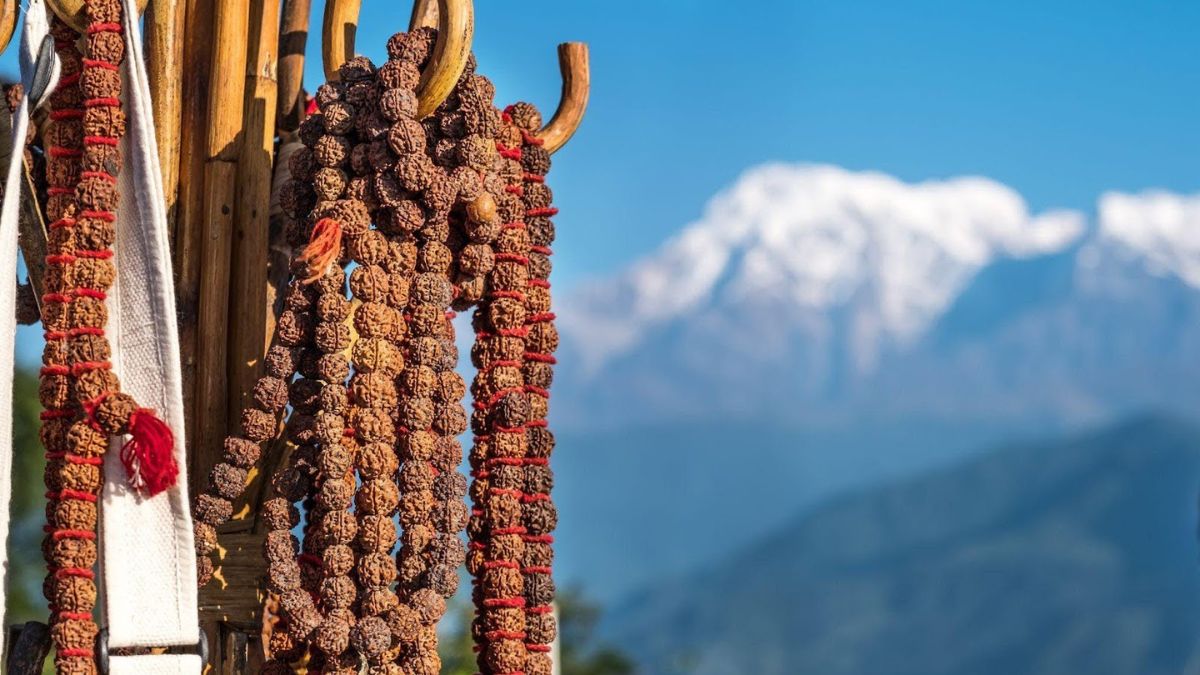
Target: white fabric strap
(36, 28)
(148, 563)
(166, 664)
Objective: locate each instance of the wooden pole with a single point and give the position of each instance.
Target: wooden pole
(165, 20)
(574, 64)
(223, 145)
(249, 323)
(8, 22)
(189, 212)
(293, 38)
(424, 15)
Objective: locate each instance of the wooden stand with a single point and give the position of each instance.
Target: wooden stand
(226, 82)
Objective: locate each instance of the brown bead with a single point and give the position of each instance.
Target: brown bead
(332, 637)
(378, 497)
(258, 426)
(376, 533)
(377, 460)
(227, 481)
(280, 362)
(335, 460)
(279, 514)
(376, 355)
(113, 413)
(369, 283)
(398, 103)
(334, 367)
(270, 394)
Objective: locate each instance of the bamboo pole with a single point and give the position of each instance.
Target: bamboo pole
(338, 30)
(250, 316)
(165, 21)
(456, 30)
(293, 38)
(223, 142)
(574, 64)
(424, 15)
(8, 22)
(189, 213)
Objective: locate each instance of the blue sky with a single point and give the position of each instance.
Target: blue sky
(1060, 99)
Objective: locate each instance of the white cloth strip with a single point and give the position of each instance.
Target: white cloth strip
(34, 31)
(165, 664)
(148, 563)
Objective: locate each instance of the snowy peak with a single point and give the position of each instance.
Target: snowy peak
(1158, 230)
(812, 239)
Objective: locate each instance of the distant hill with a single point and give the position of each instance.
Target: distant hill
(1070, 557)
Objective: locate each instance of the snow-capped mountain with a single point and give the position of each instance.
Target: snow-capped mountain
(810, 292)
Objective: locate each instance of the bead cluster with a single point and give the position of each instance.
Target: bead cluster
(81, 395)
(376, 400)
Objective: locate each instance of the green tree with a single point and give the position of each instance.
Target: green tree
(581, 652)
(25, 566)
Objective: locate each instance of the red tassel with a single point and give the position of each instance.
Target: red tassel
(149, 456)
(324, 247)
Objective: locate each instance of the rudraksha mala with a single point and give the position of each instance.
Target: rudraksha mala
(84, 408)
(539, 516)
(368, 161)
(513, 516)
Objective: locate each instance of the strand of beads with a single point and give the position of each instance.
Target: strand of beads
(276, 388)
(82, 394)
(539, 515)
(73, 448)
(500, 436)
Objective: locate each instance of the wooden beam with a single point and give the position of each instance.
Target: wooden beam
(249, 311)
(189, 218)
(165, 22)
(574, 64)
(223, 146)
(293, 38)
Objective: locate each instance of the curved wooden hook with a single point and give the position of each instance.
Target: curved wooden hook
(75, 14)
(574, 63)
(8, 22)
(456, 30)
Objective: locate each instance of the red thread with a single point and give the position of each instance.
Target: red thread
(76, 459)
(74, 572)
(104, 28)
(149, 456)
(324, 247)
(107, 216)
(101, 140)
(102, 102)
(69, 534)
(93, 63)
(77, 495)
(100, 174)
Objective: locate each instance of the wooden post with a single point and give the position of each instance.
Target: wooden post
(226, 115)
(293, 38)
(250, 318)
(165, 20)
(197, 51)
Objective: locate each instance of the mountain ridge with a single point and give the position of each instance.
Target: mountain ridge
(850, 278)
(1069, 556)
